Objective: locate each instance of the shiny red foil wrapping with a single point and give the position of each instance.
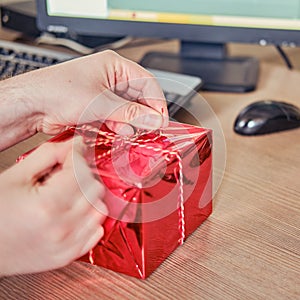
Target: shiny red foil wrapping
(158, 191)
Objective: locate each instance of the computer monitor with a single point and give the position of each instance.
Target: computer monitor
(203, 27)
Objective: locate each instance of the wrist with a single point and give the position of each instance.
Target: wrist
(19, 114)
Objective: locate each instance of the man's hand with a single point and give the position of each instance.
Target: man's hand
(103, 86)
(49, 214)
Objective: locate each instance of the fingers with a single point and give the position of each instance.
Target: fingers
(140, 85)
(144, 89)
(55, 222)
(88, 234)
(86, 240)
(135, 114)
(131, 95)
(74, 185)
(111, 107)
(104, 73)
(72, 203)
(120, 128)
(147, 91)
(69, 238)
(135, 82)
(91, 189)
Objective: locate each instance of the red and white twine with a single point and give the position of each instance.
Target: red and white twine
(107, 138)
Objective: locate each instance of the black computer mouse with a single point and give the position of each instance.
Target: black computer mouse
(267, 116)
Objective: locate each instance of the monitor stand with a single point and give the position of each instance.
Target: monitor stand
(93, 41)
(209, 61)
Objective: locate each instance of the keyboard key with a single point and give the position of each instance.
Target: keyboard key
(20, 69)
(31, 68)
(38, 58)
(5, 51)
(10, 69)
(18, 54)
(16, 58)
(48, 60)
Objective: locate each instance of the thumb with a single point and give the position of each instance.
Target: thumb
(111, 107)
(76, 162)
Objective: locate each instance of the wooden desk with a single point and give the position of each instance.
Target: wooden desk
(248, 249)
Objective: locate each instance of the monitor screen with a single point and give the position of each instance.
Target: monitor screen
(264, 21)
(202, 26)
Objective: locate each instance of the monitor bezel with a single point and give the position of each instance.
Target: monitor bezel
(183, 32)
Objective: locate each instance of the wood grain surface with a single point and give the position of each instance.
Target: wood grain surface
(249, 248)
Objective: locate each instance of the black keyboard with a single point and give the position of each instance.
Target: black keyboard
(13, 63)
(16, 58)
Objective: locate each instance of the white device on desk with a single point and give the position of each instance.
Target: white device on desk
(178, 88)
(16, 58)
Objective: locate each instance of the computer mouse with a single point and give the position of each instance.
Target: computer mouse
(267, 116)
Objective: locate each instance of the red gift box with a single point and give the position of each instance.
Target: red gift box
(158, 191)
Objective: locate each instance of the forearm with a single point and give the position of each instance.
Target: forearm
(18, 115)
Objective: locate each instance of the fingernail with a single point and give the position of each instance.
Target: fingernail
(165, 117)
(165, 121)
(149, 121)
(154, 120)
(125, 130)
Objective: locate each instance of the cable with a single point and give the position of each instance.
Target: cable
(50, 39)
(114, 45)
(284, 57)
(145, 42)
